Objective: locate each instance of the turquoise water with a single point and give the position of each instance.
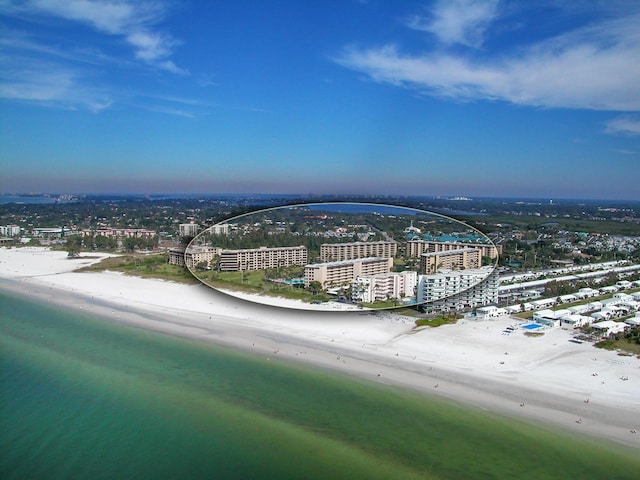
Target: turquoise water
(83, 398)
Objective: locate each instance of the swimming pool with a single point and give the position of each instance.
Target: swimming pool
(532, 326)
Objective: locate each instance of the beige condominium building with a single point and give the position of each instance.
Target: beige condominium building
(415, 248)
(262, 258)
(193, 256)
(334, 252)
(461, 259)
(340, 273)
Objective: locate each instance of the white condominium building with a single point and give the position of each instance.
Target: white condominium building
(458, 290)
(10, 230)
(333, 252)
(262, 258)
(189, 229)
(219, 229)
(460, 259)
(337, 274)
(384, 286)
(415, 248)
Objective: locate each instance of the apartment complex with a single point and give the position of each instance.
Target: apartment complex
(340, 273)
(384, 286)
(459, 290)
(335, 252)
(462, 258)
(194, 256)
(262, 258)
(415, 248)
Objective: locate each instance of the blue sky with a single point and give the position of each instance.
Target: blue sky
(475, 98)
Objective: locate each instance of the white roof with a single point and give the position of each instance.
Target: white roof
(605, 324)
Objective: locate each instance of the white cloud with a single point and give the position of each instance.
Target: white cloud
(130, 19)
(624, 125)
(458, 21)
(594, 68)
(43, 84)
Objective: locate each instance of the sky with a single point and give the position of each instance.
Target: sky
(491, 98)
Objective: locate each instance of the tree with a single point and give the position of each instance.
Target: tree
(73, 246)
(315, 287)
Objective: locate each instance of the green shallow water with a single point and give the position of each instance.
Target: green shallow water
(84, 398)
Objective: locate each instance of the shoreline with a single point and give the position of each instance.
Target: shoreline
(469, 363)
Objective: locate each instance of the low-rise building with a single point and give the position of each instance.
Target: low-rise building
(609, 327)
(571, 321)
(120, 232)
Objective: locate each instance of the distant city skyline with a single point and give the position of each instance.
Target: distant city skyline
(452, 98)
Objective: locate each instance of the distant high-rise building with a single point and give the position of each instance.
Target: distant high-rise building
(10, 230)
(189, 229)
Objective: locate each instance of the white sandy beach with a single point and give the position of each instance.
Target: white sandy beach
(546, 379)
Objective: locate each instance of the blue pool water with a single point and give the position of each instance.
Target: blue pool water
(532, 326)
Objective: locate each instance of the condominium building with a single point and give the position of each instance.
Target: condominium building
(188, 229)
(193, 256)
(459, 290)
(415, 248)
(219, 229)
(460, 259)
(384, 286)
(333, 252)
(262, 258)
(337, 274)
(10, 230)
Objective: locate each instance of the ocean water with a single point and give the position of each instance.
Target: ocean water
(81, 397)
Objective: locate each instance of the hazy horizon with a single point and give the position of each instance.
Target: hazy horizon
(492, 98)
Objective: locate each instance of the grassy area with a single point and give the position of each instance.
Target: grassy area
(436, 322)
(623, 345)
(254, 282)
(145, 266)
(382, 304)
(628, 342)
(534, 334)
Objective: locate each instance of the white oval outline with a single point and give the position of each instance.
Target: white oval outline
(358, 309)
